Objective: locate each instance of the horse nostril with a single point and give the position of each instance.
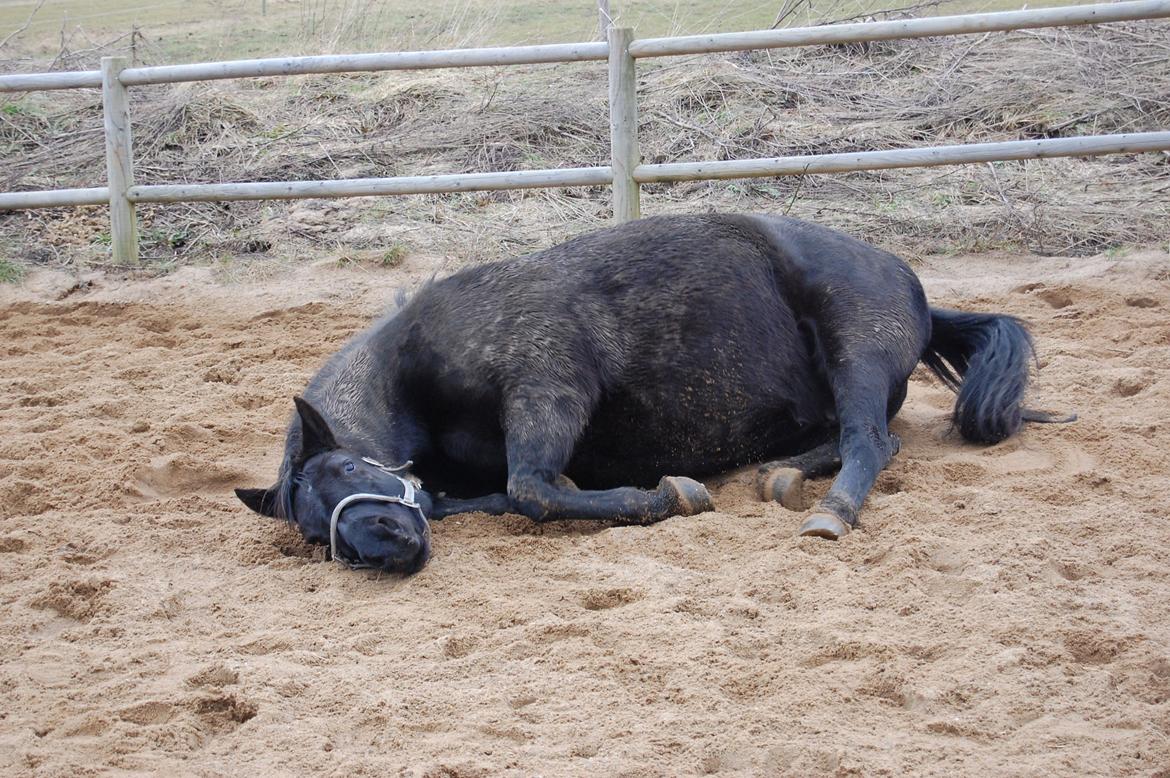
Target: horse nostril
(397, 534)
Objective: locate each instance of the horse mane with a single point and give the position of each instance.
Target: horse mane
(283, 488)
(334, 384)
(331, 389)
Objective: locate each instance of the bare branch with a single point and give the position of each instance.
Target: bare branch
(889, 12)
(24, 26)
(790, 7)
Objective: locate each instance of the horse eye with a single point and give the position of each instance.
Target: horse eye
(350, 467)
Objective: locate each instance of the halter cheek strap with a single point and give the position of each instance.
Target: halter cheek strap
(406, 500)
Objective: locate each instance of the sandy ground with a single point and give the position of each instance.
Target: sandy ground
(1006, 610)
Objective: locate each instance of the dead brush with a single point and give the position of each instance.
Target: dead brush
(833, 99)
(189, 122)
(386, 104)
(517, 130)
(54, 142)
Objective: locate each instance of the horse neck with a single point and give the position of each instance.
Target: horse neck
(354, 394)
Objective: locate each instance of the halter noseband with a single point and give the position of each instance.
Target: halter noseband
(407, 500)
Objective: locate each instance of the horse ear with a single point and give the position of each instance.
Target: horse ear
(262, 501)
(316, 436)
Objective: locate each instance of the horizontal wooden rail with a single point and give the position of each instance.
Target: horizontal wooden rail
(1085, 146)
(66, 79)
(345, 63)
(52, 198)
(902, 28)
(365, 187)
(600, 176)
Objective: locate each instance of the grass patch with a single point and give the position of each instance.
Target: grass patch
(394, 255)
(11, 272)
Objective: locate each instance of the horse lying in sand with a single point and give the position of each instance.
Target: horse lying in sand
(562, 384)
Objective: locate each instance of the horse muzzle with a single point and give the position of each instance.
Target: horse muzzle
(380, 532)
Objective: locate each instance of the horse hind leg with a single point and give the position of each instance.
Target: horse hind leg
(782, 480)
(864, 401)
(542, 428)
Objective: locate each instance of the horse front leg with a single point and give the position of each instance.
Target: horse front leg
(491, 504)
(542, 427)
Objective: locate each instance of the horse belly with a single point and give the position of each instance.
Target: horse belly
(730, 378)
(704, 429)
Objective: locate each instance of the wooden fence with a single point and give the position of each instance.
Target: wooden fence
(625, 172)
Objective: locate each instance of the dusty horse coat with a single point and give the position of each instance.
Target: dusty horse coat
(651, 353)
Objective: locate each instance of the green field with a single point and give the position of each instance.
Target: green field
(190, 30)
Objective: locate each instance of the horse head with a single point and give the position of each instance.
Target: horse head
(371, 515)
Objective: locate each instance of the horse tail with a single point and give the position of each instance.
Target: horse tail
(984, 358)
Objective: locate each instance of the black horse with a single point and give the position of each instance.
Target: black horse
(633, 356)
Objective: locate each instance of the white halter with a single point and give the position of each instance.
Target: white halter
(407, 499)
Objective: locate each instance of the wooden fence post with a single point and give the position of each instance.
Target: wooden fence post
(623, 125)
(119, 162)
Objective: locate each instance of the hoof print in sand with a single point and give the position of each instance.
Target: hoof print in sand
(176, 475)
(152, 712)
(223, 712)
(214, 677)
(1131, 382)
(604, 599)
(10, 544)
(456, 646)
(21, 497)
(1057, 298)
(1095, 648)
(79, 600)
(228, 373)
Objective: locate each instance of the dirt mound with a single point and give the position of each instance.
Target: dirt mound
(1003, 611)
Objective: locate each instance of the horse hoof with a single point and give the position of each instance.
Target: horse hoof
(824, 525)
(564, 482)
(784, 485)
(685, 496)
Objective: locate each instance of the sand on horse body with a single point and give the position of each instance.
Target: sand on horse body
(599, 378)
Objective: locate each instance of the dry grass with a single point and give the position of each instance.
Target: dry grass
(193, 30)
(1020, 85)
